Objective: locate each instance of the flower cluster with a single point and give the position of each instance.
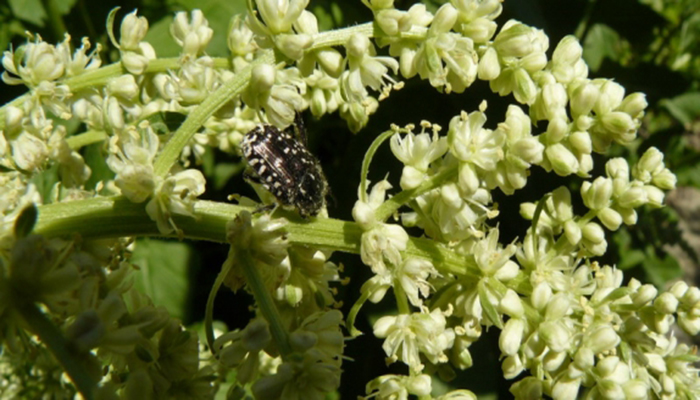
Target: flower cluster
(567, 323)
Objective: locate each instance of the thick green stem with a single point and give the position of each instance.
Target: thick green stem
(264, 301)
(52, 337)
(111, 217)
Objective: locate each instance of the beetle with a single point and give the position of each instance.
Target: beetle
(281, 163)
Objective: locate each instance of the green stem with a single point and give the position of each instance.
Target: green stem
(368, 159)
(88, 137)
(401, 299)
(264, 301)
(229, 90)
(112, 217)
(352, 315)
(53, 339)
(390, 206)
(209, 311)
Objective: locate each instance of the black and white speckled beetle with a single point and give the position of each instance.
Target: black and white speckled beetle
(283, 165)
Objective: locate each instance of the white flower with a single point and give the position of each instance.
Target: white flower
(193, 35)
(131, 158)
(413, 276)
(408, 335)
(417, 152)
(471, 143)
(176, 195)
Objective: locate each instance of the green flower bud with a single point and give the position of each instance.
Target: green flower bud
(634, 105)
(512, 366)
(557, 129)
(293, 46)
(566, 388)
(645, 294)
(514, 40)
(563, 162)
(666, 303)
(610, 218)
(635, 389)
(597, 195)
(593, 233)
(610, 389)
(331, 61)
(444, 20)
(655, 196)
(132, 31)
(581, 142)
(529, 388)
(583, 99)
(511, 304)
(541, 295)
(584, 359)
(603, 339)
(489, 66)
(620, 125)
(572, 232)
(512, 336)
(665, 180)
(525, 90)
(678, 289)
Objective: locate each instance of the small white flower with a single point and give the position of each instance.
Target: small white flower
(176, 195)
(193, 35)
(408, 335)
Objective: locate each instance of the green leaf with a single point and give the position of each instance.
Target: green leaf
(24, 224)
(488, 307)
(660, 270)
(603, 42)
(95, 158)
(224, 171)
(31, 11)
(685, 108)
(159, 37)
(64, 6)
(164, 273)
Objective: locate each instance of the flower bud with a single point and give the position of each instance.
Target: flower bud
(512, 336)
(584, 358)
(597, 195)
(525, 90)
(411, 178)
(511, 304)
(678, 289)
(666, 303)
(331, 61)
(444, 20)
(557, 129)
(262, 78)
(583, 99)
(610, 218)
(572, 232)
(634, 104)
(581, 142)
(610, 389)
(529, 388)
(489, 66)
(293, 46)
(635, 389)
(512, 366)
(665, 180)
(124, 86)
(514, 40)
(691, 296)
(357, 46)
(540, 296)
(134, 63)
(593, 233)
(617, 124)
(566, 388)
(568, 51)
(468, 179)
(419, 385)
(645, 294)
(603, 339)
(655, 196)
(690, 325)
(563, 162)
(133, 29)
